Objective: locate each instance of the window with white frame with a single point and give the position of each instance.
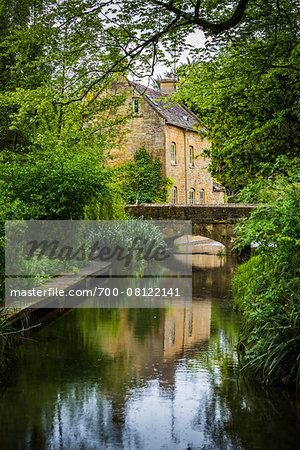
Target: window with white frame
(136, 106)
(201, 196)
(173, 153)
(174, 194)
(191, 155)
(192, 196)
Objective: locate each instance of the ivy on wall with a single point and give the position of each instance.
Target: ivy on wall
(142, 181)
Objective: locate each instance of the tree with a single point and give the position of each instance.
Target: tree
(113, 35)
(13, 61)
(246, 91)
(250, 54)
(52, 149)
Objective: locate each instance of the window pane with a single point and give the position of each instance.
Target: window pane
(191, 155)
(136, 106)
(192, 196)
(173, 152)
(201, 196)
(174, 194)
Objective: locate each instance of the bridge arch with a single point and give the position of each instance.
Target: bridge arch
(216, 222)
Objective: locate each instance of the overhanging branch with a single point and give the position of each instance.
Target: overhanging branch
(206, 25)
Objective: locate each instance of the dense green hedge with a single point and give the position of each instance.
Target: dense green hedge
(267, 290)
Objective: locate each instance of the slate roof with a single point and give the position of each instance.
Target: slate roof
(174, 114)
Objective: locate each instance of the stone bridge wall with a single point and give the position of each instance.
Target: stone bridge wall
(215, 222)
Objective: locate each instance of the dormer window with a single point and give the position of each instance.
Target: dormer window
(136, 106)
(191, 155)
(173, 153)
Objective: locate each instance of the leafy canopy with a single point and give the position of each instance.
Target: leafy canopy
(103, 37)
(245, 87)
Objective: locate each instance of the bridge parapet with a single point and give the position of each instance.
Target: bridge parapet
(216, 222)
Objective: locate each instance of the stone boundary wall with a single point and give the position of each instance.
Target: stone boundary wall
(206, 213)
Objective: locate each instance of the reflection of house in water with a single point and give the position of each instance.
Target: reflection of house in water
(150, 343)
(174, 333)
(186, 328)
(207, 261)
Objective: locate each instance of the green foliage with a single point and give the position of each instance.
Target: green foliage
(55, 184)
(131, 233)
(52, 158)
(267, 289)
(245, 87)
(8, 339)
(142, 179)
(275, 179)
(52, 150)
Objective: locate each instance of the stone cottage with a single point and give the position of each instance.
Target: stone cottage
(168, 131)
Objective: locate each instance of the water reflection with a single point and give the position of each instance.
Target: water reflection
(199, 245)
(143, 378)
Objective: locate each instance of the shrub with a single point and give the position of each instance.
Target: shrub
(58, 183)
(142, 179)
(267, 289)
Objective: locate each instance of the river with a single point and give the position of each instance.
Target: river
(145, 379)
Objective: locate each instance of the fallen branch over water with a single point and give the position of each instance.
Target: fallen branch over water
(20, 331)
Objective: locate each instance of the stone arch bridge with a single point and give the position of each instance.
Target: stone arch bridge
(215, 222)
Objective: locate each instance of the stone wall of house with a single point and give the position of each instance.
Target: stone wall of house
(197, 176)
(146, 129)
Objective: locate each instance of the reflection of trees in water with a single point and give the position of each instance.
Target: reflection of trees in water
(236, 412)
(220, 363)
(145, 321)
(129, 345)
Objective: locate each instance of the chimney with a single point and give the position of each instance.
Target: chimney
(168, 86)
